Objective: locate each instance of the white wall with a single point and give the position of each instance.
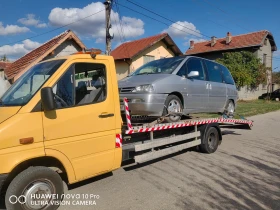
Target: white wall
(246, 93)
(66, 48)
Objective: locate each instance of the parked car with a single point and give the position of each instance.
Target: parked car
(183, 84)
(275, 94)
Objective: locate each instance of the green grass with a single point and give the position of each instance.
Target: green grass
(250, 108)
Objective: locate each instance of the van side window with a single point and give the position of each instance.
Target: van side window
(196, 65)
(72, 89)
(227, 76)
(214, 71)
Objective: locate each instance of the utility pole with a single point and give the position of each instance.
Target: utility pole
(108, 6)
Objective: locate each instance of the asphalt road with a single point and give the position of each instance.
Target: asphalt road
(243, 174)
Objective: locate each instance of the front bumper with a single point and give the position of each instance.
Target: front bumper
(145, 103)
(3, 178)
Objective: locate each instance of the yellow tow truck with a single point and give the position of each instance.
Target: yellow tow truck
(55, 126)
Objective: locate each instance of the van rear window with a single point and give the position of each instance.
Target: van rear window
(227, 76)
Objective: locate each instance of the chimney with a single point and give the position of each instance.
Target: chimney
(228, 38)
(191, 44)
(213, 40)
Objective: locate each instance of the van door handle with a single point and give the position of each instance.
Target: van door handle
(105, 115)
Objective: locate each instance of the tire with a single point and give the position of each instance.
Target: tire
(210, 141)
(230, 108)
(28, 182)
(176, 107)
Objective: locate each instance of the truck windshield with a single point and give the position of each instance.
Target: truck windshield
(161, 66)
(29, 83)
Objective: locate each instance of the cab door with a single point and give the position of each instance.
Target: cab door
(83, 126)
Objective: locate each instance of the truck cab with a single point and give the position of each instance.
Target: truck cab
(63, 114)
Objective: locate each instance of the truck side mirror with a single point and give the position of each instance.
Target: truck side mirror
(47, 98)
(193, 74)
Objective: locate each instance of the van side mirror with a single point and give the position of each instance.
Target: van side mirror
(47, 98)
(193, 74)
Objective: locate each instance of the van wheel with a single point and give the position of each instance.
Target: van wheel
(230, 108)
(29, 189)
(210, 141)
(172, 104)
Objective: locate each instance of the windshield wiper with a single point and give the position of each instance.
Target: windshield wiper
(1, 103)
(144, 73)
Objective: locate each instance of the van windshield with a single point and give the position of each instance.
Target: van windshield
(161, 66)
(29, 83)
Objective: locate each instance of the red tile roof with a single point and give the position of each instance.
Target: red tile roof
(133, 48)
(4, 64)
(240, 41)
(36, 55)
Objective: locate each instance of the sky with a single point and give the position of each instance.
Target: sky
(26, 24)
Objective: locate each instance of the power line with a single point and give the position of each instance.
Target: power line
(172, 21)
(157, 20)
(229, 14)
(31, 37)
(123, 33)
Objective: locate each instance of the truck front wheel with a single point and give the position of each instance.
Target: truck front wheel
(35, 188)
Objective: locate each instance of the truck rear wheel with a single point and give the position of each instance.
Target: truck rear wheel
(210, 141)
(33, 188)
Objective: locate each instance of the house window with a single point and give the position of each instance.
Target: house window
(265, 42)
(148, 58)
(264, 60)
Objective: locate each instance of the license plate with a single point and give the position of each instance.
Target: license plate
(122, 107)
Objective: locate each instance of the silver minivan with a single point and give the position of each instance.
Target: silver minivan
(183, 84)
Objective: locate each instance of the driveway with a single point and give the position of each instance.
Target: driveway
(243, 174)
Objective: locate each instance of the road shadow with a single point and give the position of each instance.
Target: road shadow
(230, 132)
(89, 181)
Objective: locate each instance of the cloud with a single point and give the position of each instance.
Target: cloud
(30, 20)
(18, 50)
(182, 29)
(12, 29)
(94, 26)
(195, 41)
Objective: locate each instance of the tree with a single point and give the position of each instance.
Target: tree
(276, 77)
(245, 67)
(4, 58)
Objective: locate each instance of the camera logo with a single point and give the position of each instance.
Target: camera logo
(14, 199)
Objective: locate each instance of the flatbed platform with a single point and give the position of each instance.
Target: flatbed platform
(147, 141)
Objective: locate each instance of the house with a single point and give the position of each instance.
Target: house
(3, 65)
(4, 84)
(64, 44)
(131, 55)
(261, 43)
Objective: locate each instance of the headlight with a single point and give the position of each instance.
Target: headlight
(144, 88)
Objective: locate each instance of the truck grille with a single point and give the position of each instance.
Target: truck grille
(126, 89)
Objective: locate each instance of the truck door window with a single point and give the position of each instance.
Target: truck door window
(83, 83)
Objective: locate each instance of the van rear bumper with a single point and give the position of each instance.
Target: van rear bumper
(3, 178)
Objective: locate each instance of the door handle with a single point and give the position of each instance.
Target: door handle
(105, 115)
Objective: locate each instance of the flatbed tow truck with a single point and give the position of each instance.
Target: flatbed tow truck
(45, 140)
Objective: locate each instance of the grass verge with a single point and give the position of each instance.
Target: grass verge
(250, 108)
